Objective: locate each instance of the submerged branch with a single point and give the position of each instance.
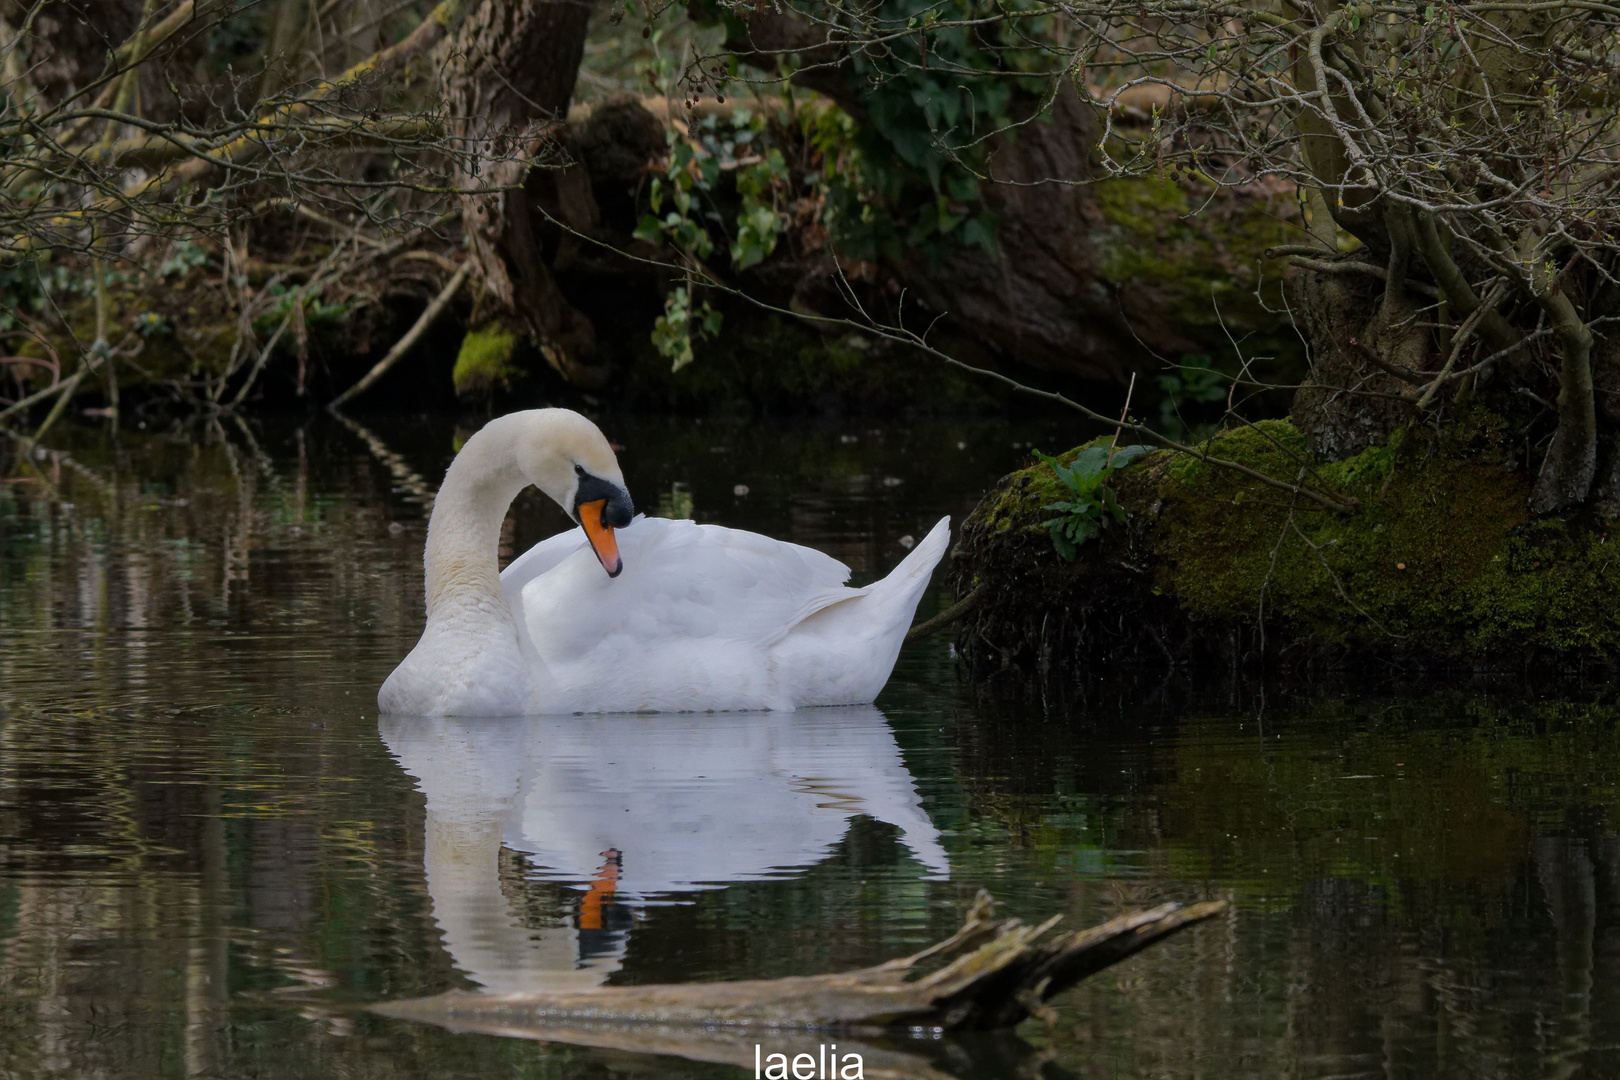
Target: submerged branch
(1000, 971)
(948, 616)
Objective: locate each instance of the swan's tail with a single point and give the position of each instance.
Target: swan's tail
(894, 599)
(845, 652)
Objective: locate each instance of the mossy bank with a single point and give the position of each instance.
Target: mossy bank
(1441, 566)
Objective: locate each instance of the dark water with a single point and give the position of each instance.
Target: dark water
(212, 855)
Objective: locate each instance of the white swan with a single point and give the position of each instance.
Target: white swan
(701, 617)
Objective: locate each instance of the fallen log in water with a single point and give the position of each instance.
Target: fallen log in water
(1001, 973)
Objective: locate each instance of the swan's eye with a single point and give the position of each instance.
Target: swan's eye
(579, 470)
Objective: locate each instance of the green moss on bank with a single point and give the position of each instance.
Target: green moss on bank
(485, 359)
(1203, 253)
(1422, 564)
(1441, 559)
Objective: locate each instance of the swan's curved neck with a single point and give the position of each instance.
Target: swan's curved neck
(462, 558)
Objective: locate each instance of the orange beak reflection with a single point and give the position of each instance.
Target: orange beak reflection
(600, 536)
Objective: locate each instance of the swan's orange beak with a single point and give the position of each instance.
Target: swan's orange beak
(600, 536)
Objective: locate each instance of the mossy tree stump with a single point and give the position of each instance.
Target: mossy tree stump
(1442, 566)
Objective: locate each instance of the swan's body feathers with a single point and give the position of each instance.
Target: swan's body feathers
(702, 618)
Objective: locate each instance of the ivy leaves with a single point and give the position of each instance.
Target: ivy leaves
(672, 332)
(691, 188)
(936, 83)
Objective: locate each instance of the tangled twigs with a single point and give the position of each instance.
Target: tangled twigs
(60, 179)
(1333, 501)
(403, 345)
(295, 306)
(50, 362)
(66, 386)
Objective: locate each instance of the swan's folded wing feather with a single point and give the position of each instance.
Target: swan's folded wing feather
(682, 583)
(538, 560)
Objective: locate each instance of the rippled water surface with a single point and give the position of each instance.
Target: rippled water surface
(214, 855)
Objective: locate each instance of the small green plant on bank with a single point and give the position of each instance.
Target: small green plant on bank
(316, 312)
(1094, 502)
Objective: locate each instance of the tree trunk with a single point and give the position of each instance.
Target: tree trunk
(1043, 296)
(1360, 338)
(1067, 290)
(506, 82)
(1571, 462)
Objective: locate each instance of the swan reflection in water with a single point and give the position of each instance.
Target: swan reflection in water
(632, 809)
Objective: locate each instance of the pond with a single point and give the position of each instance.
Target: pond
(214, 855)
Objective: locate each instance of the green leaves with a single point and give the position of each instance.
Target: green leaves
(932, 94)
(759, 225)
(183, 258)
(316, 311)
(151, 324)
(1093, 503)
(757, 230)
(691, 188)
(672, 332)
(685, 233)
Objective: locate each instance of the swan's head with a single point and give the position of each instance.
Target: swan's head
(567, 457)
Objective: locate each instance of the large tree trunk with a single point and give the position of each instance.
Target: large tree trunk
(506, 83)
(1056, 294)
(1361, 339)
(1043, 295)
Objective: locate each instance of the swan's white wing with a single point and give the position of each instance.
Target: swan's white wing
(681, 580)
(537, 560)
(535, 563)
(691, 612)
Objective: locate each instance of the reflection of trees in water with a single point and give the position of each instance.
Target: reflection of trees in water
(240, 902)
(1419, 892)
(320, 525)
(1516, 978)
(207, 536)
